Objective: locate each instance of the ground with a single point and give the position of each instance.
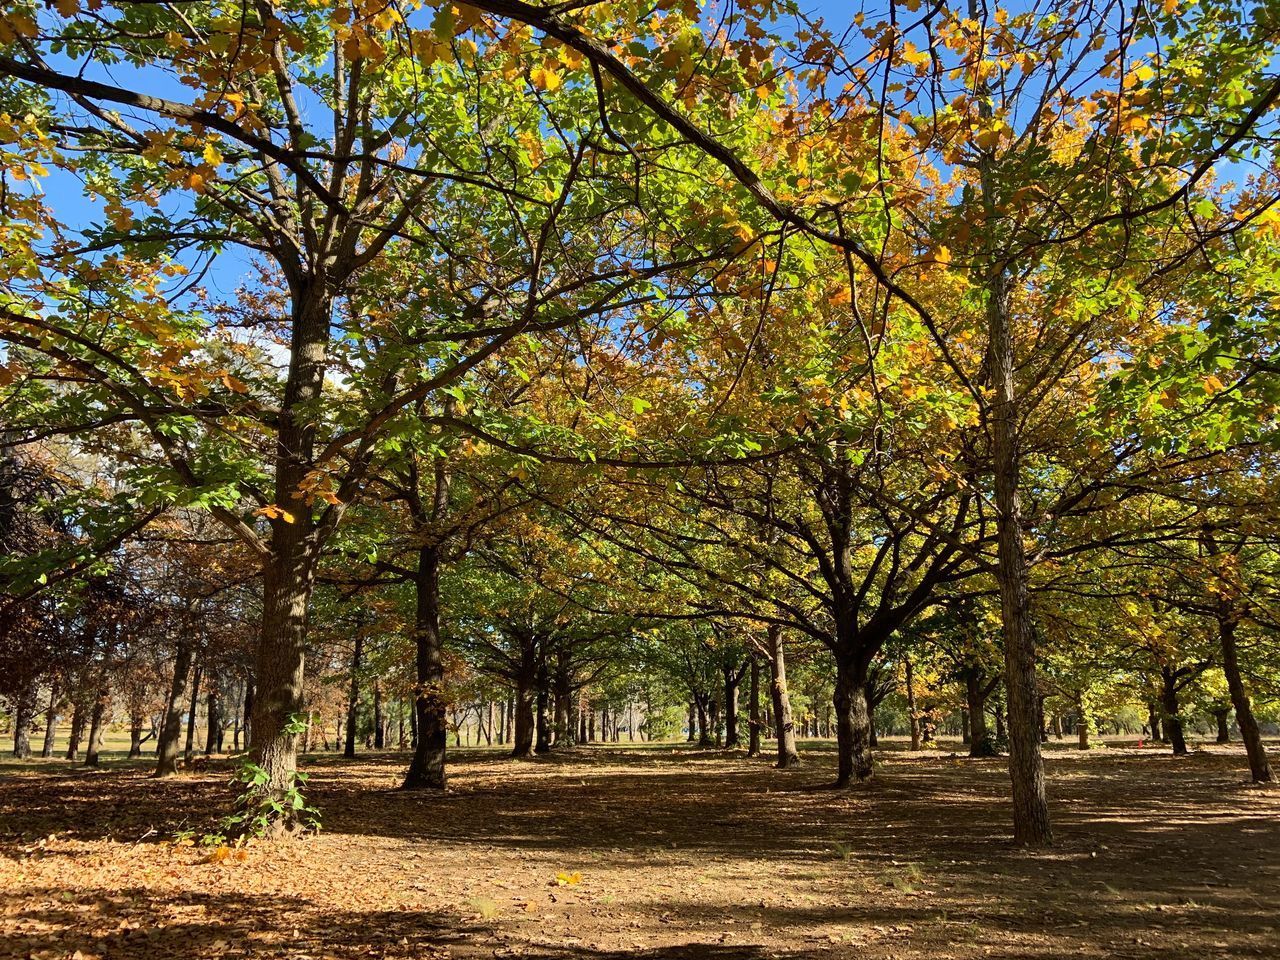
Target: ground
(653, 852)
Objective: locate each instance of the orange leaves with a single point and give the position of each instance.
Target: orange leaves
(841, 296)
(274, 512)
(226, 855)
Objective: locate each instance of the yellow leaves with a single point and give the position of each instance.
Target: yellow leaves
(568, 879)
(274, 512)
(224, 854)
(987, 139)
(1212, 385)
(545, 78)
(211, 155)
(15, 25)
(194, 180)
(68, 8)
(841, 296)
(914, 57)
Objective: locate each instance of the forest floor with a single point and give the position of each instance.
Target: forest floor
(653, 852)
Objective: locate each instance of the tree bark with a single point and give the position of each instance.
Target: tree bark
(1259, 767)
(784, 727)
(753, 708)
(427, 769)
(96, 723)
(213, 708)
(379, 721)
(191, 715)
(732, 678)
(135, 735)
(22, 717)
(912, 714)
(171, 730)
(853, 722)
(542, 698)
(1031, 824)
(77, 729)
(50, 723)
(353, 694)
(1172, 721)
(525, 681)
(1220, 719)
(980, 744)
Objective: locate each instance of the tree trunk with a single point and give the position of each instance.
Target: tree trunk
(980, 743)
(853, 722)
(873, 736)
(427, 769)
(353, 694)
(171, 730)
(1031, 824)
(1259, 768)
(246, 724)
(96, 723)
(693, 722)
(191, 715)
(379, 721)
(912, 714)
(525, 682)
(77, 729)
(1220, 718)
(753, 708)
(784, 727)
(22, 717)
(732, 678)
(543, 725)
(1172, 721)
(135, 734)
(1153, 722)
(562, 728)
(50, 723)
(213, 708)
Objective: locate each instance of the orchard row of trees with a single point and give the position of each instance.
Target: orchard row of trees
(490, 346)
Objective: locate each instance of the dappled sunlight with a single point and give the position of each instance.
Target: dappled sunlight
(635, 853)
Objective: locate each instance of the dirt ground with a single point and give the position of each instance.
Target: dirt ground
(654, 852)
